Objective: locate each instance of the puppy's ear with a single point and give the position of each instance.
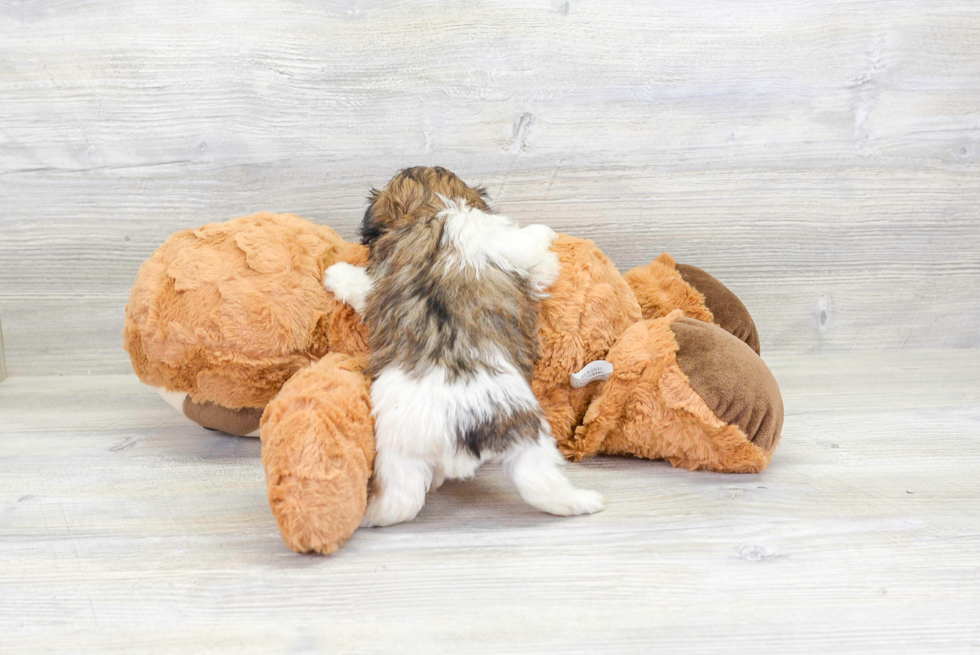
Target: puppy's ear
(376, 216)
(482, 200)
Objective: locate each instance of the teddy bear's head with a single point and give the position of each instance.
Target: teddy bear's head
(219, 317)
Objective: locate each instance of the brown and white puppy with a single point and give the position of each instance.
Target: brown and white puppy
(448, 300)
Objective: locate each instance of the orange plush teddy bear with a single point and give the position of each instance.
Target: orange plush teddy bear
(232, 324)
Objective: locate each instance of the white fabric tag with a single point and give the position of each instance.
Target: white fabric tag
(600, 369)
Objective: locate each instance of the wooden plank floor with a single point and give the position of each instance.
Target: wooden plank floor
(125, 529)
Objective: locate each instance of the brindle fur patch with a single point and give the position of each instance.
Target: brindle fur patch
(499, 432)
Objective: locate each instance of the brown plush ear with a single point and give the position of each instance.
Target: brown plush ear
(729, 313)
(663, 285)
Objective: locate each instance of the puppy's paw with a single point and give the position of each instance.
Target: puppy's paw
(373, 518)
(575, 503)
(544, 273)
(341, 277)
(386, 511)
(350, 284)
(542, 233)
(438, 477)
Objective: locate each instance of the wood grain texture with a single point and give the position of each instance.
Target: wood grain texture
(125, 528)
(3, 359)
(819, 157)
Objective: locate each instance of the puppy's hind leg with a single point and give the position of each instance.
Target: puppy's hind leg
(535, 468)
(399, 487)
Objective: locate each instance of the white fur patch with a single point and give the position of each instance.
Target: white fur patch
(482, 238)
(420, 417)
(544, 274)
(417, 421)
(350, 284)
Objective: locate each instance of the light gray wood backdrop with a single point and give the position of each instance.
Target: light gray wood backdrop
(819, 156)
(3, 359)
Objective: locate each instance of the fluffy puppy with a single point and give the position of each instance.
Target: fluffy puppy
(448, 300)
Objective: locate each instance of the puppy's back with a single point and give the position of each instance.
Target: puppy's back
(434, 304)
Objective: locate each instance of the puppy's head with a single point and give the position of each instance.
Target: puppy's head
(413, 194)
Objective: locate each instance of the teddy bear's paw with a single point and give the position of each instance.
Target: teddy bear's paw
(350, 284)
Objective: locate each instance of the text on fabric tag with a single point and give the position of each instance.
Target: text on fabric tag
(600, 369)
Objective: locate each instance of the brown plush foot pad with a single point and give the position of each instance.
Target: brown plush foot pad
(731, 379)
(649, 407)
(318, 453)
(729, 312)
(239, 422)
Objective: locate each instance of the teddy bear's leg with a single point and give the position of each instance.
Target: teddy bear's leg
(318, 452)
(686, 391)
(663, 285)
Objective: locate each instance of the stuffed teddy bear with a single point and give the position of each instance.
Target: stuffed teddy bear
(231, 323)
